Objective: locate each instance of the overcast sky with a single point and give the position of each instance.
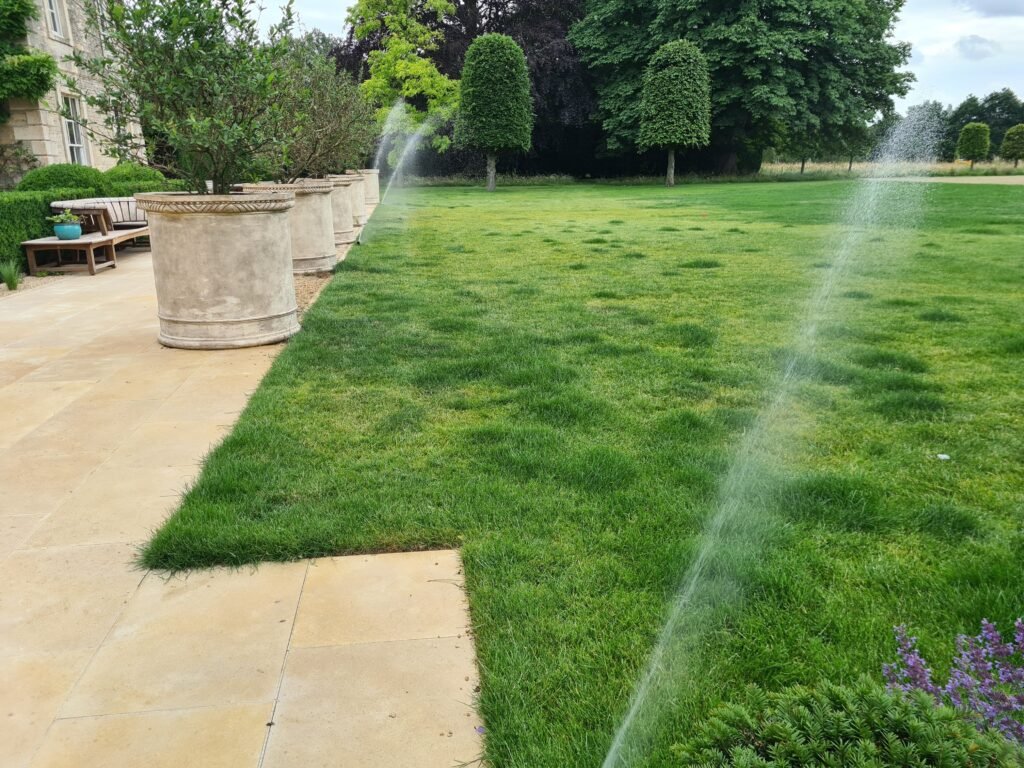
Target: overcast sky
(960, 46)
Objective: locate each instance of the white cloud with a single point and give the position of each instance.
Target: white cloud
(995, 7)
(942, 33)
(976, 47)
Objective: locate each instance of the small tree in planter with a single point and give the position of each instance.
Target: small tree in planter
(331, 125)
(676, 107)
(975, 142)
(198, 75)
(496, 109)
(1013, 145)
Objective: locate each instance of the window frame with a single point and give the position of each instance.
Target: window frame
(75, 140)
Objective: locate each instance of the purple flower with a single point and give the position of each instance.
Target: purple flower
(986, 680)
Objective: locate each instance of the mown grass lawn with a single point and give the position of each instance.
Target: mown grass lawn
(553, 379)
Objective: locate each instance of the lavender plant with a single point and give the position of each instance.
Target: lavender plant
(986, 681)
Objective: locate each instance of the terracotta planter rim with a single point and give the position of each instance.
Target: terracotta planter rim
(301, 187)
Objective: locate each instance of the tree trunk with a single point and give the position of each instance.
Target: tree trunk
(803, 164)
(729, 163)
(849, 168)
(492, 172)
(972, 165)
(1016, 162)
(670, 175)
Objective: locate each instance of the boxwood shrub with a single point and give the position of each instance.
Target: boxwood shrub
(62, 176)
(133, 172)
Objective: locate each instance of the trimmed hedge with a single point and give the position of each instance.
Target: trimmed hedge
(23, 214)
(23, 217)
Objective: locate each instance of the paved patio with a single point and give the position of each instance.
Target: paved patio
(358, 661)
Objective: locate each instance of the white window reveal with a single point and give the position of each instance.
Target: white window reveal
(53, 14)
(78, 152)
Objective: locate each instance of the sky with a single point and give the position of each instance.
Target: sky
(960, 46)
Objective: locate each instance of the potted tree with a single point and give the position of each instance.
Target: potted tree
(197, 75)
(330, 124)
(66, 225)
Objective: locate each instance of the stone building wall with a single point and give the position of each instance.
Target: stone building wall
(39, 125)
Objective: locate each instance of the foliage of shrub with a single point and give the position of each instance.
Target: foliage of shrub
(986, 681)
(975, 142)
(62, 175)
(133, 172)
(1013, 145)
(833, 726)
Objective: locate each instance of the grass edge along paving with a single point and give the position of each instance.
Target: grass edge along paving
(553, 378)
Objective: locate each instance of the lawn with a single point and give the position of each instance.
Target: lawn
(553, 379)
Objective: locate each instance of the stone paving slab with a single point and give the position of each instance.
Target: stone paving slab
(348, 662)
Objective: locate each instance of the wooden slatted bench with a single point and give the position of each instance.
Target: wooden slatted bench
(88, 244)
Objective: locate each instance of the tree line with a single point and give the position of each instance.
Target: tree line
(805, 75)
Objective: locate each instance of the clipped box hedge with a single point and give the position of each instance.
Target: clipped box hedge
(23, 214)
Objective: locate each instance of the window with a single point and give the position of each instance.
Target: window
(78, 152)
(53, 14)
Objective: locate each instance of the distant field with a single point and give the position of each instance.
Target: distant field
(554, 378)
(996, 168)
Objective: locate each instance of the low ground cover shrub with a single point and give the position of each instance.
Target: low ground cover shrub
(849, 726)
(61, 175)
(986, 681)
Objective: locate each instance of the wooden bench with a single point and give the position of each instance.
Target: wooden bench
(88, 245)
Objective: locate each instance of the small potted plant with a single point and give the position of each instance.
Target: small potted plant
(66, 226)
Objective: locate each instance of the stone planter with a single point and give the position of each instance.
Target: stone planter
(341, 206)
(223, 268)
(312, 224)
(371, 177)
(358, 193)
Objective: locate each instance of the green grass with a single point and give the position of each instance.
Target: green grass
(489, 373)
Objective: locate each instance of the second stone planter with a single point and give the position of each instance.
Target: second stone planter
(223, 268)
(357, 190)
(371, 177)
(341, 207)
(312, 224)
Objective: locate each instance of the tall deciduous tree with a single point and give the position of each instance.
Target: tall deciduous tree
(399, 63)
(974, 143)
(777, 66)
(495, 112)
(1013, 144)
(676, 109)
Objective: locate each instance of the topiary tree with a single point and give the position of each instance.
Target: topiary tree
(974, 144)
(833, 725)
(1013, 145)
(62, 176)
(496, 109)
(675, 111)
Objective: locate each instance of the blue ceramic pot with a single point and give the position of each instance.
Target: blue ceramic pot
(67, 231)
